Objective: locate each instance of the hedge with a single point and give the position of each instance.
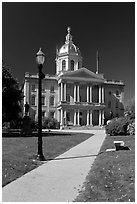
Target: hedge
(120, 126)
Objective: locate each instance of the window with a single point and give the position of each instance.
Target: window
(43, 114)
(52, 89)
(51, 114)
(117, 93)
(33, 87)
(72, 65)
(109, 93)
(116, 104)
(63, 65)
(33, 100)
(51, 102)
(68, 98)
(109, 104)
(43, 89)
(68, 116)
(43, 100)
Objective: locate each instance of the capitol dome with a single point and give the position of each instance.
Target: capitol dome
(69, 46)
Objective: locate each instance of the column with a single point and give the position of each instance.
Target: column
(61, 91)
(91, 117)
(61, 119)
(58, 112)
(59, 98)
(74, 117)
(102, 94)
(100, 117)
(64, 117)
(90, 94)
(78, 116)
(87, 94)
(74, 93)
(99, 94)
(87, 117)
(78, 93)
(64, 91)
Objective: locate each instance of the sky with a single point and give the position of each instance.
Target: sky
(108, 27)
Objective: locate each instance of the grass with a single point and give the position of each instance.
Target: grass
(112, 176)
(18, 153)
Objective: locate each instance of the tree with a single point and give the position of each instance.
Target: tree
(11, 97)
(130, 107)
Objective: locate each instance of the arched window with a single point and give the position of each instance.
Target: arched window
(109, 104)
(63, 65)
(109, 93)
(33, 100)
(72, 65)
(117, 93)
(51, 102)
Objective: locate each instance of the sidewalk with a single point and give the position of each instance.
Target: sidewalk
(59, 180)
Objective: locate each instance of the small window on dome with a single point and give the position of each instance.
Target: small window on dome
(63, 65)
(117, 93)
(72, 65)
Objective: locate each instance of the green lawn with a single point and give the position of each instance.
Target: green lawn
(112, 176)
(18, 153)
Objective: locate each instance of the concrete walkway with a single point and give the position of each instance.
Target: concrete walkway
(59, 180)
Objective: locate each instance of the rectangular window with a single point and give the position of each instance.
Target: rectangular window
(43, 89)
(43, 100)
(33, 100)
(51, 114)
(51, 101)
(43, 114)
(52, 89)
(68, 116)
(33, 87)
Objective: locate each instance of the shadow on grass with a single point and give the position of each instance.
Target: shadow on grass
(45, 134)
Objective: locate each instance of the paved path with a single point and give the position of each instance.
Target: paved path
(58, 180)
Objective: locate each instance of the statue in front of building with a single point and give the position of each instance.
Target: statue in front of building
(27, 106)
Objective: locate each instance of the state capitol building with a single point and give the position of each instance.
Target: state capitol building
(75, 96)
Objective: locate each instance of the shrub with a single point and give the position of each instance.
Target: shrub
(16, 124)
(118, 126)
(34, 125)
(50, 123)
(131, 129)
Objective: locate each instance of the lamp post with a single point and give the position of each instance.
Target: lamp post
(40, 58)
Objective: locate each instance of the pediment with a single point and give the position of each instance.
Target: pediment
(82, 73)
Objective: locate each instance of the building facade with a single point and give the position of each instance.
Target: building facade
(74, 95)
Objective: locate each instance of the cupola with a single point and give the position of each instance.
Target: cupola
(68, 57)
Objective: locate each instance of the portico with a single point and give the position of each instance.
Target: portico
(81, 99)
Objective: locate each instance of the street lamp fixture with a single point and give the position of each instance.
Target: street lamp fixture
(40, 58)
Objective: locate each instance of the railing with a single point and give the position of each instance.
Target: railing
(114, 82)
(81, 103)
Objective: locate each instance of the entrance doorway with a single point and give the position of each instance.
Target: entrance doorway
(95, 117)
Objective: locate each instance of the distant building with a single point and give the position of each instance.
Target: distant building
(74, 95)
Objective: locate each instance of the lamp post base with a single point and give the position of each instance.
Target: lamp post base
(40, 157)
